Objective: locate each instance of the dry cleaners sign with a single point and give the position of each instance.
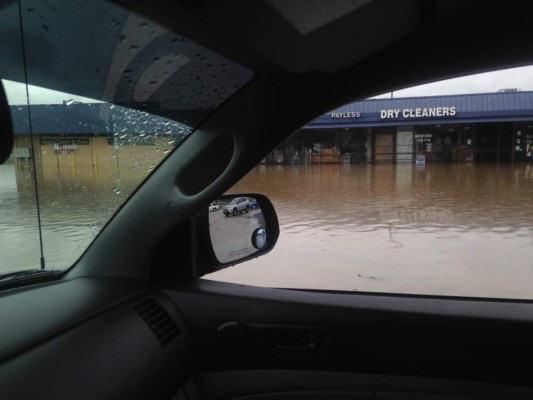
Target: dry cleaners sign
(418, 112)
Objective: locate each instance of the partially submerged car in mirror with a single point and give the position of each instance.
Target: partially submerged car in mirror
(131, 319)
(237, 206)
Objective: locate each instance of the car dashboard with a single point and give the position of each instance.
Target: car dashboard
(115, 338)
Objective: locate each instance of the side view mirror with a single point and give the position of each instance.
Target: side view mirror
(241, 227)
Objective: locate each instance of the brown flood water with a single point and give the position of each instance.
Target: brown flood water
(434, 229)
(442, 229)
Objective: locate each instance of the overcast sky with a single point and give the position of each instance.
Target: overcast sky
(16, 95)
(519, 78)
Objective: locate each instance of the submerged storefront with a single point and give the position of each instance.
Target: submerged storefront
(489, 127)
(100, 136)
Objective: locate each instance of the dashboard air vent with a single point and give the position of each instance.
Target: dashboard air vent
(164, 328)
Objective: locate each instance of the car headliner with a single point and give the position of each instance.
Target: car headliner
(343, 51)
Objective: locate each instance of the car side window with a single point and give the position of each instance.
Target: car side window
(421, 191)
(98, 96)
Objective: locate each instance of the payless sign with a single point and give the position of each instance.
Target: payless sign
(349, 114)
(419, 112)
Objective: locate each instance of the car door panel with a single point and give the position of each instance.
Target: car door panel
(238, 327)
(296, 385)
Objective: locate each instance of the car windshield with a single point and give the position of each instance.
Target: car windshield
(97, 103)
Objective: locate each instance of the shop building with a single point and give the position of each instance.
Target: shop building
(488, 127)
(99, 136)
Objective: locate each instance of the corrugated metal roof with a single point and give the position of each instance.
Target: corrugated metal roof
(92, 119)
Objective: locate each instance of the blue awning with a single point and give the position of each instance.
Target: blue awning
(436, 110)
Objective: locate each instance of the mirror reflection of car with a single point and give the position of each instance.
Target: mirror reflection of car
(253, 204)
(214, 207)
(237, 239)
(237, 206)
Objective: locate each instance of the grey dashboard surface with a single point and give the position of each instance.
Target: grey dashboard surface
(38, 313)
(92, 338)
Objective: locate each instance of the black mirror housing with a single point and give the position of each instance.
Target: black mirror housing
(233, 229)
(6, 127)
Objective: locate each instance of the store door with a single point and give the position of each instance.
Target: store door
(384, 148)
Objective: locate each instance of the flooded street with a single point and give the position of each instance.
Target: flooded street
(447, 229)
(75, 205)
